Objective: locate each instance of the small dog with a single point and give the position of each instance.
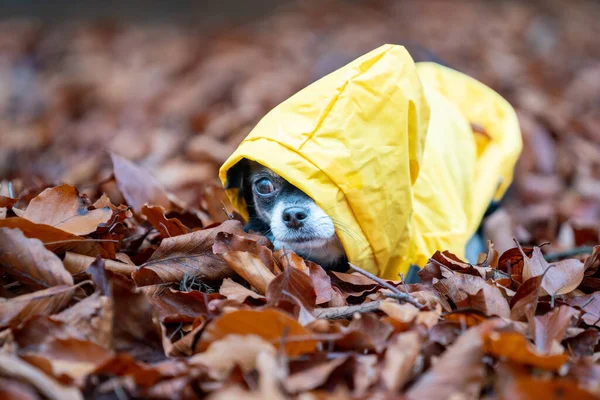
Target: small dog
(287, 216)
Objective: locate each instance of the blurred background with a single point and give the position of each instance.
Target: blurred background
(177, 85)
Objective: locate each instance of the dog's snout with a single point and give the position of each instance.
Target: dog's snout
(294, 217)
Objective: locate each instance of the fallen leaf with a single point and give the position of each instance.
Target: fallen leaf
(13, 366)
(269, 324)
(515, 383)
(473, 291)
(222, 355)
(365, 332)
(514, 347)
(527, 296)
(43, 302)
(294, 282)
(465, 355)
(92, 317)
(190, 254)
(62, 208)
(250, 268)
(551, 327)
(138, 185)
(30, 261)
(559, 278)
(70, 360)
(168, 227)
(55, 240)
(16, 390)
(176, 306)
(236, 292)
(400, 357)
(590, 304)
(313, 376)
(79, 263)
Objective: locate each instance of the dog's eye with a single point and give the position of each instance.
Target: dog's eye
(264, 186)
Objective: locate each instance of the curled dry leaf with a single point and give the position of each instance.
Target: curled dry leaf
(525, 298)
(514, 347)
(296, 283)
(223, 355)
(269, 324)
(590, 304)
(43, 302)
(559, 278)
(92, 317)
(30, 261)
(176, 306)
(365, 332)
(68, 360)
(55, 240)
(313, 376)
(516, 383)
(62, 208)
(79, 263)
(465, 355)
(551, 327)
(138, 185)
(190, 254)
(400, 358)
(250, 268)
(14, 367)
(236, 292)
(473, 291)
(168, 227)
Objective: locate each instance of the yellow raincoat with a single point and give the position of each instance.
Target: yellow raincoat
(386, 147)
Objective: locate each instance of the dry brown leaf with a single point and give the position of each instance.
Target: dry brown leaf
(14, 367)
(551, 327)
(400, 357)
(222, 355)
(69, 360)
(62, 208)
(473, 291)
(250, 268)
(92, 317)
(298, 287)
(313, 376)
(269, 324)
(236, 292)
(168, 227)
(190, 254)
(465, 355)
(138, 185)
(55, 240)
(79, 263)
(43, 302)
(559, 278)
(30, 261)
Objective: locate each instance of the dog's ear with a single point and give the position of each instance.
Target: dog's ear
(237, 178)
(236, 175)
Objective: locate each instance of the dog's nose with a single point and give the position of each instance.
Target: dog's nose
(294, 217)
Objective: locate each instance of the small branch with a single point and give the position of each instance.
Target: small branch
(401, 296)
(346, 311)
(569, 253)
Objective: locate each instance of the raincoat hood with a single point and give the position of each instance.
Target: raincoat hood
(386, 148)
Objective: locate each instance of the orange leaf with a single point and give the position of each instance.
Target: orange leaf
(62, 208)
(269, 324)
(514, 346)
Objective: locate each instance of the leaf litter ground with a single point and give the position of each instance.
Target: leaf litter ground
(126, 273)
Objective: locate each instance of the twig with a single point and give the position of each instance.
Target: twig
(569, 253)
(401, 296)
(346, 311)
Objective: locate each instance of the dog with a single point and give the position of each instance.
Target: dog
(287, 216)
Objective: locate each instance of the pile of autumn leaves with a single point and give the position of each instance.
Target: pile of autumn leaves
(154, 300)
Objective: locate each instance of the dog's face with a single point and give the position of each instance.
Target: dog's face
(290, 218)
